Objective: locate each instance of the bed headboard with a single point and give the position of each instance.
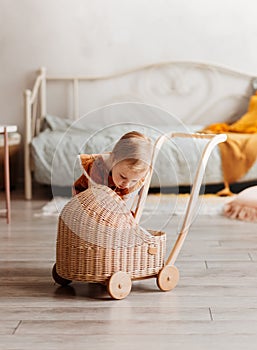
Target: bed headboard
(196, 93)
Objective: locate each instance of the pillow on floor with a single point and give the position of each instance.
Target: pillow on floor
(244, 206)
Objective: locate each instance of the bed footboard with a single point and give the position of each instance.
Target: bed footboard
(35, 110)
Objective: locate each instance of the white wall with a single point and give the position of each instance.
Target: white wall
(100, 37)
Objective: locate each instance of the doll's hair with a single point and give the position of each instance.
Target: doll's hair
(134, 148)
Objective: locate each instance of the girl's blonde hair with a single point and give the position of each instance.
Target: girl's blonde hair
(134, 148)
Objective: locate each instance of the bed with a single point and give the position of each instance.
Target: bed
(69, 115)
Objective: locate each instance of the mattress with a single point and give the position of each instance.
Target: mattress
(54, 152)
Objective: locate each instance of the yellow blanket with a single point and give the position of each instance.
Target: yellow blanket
(239, 152)
(246, 124)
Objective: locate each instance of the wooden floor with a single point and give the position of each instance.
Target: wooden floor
(214, 305)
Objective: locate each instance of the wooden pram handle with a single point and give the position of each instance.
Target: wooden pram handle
(214, 140)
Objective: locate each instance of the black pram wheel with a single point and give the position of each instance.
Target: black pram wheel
(58, 279)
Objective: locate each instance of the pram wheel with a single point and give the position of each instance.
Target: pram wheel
(58, 279)
(168, 278)
(119, 285)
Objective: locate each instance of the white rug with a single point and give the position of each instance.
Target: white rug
(156, 203)
(177, 204)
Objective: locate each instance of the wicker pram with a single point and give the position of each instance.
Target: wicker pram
(99, 240)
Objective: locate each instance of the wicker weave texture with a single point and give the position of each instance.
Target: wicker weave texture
(98, 236)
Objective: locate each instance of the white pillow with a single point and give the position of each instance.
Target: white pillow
(57, 123)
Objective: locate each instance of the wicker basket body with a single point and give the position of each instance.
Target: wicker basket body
(98, 236)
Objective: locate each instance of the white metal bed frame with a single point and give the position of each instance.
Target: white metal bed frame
(36, 104)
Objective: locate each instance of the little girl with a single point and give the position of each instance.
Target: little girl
(123, 170)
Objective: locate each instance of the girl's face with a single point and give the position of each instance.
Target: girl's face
(124, 177)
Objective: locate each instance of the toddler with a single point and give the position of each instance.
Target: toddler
(123, 170)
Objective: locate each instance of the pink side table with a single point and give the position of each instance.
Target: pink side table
(5, 129)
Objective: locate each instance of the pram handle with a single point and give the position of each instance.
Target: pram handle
(213, 141)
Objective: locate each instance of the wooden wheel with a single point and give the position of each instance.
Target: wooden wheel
(119, 285)
(168, 278)
(58, 279)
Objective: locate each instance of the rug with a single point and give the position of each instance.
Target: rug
(156, 204)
